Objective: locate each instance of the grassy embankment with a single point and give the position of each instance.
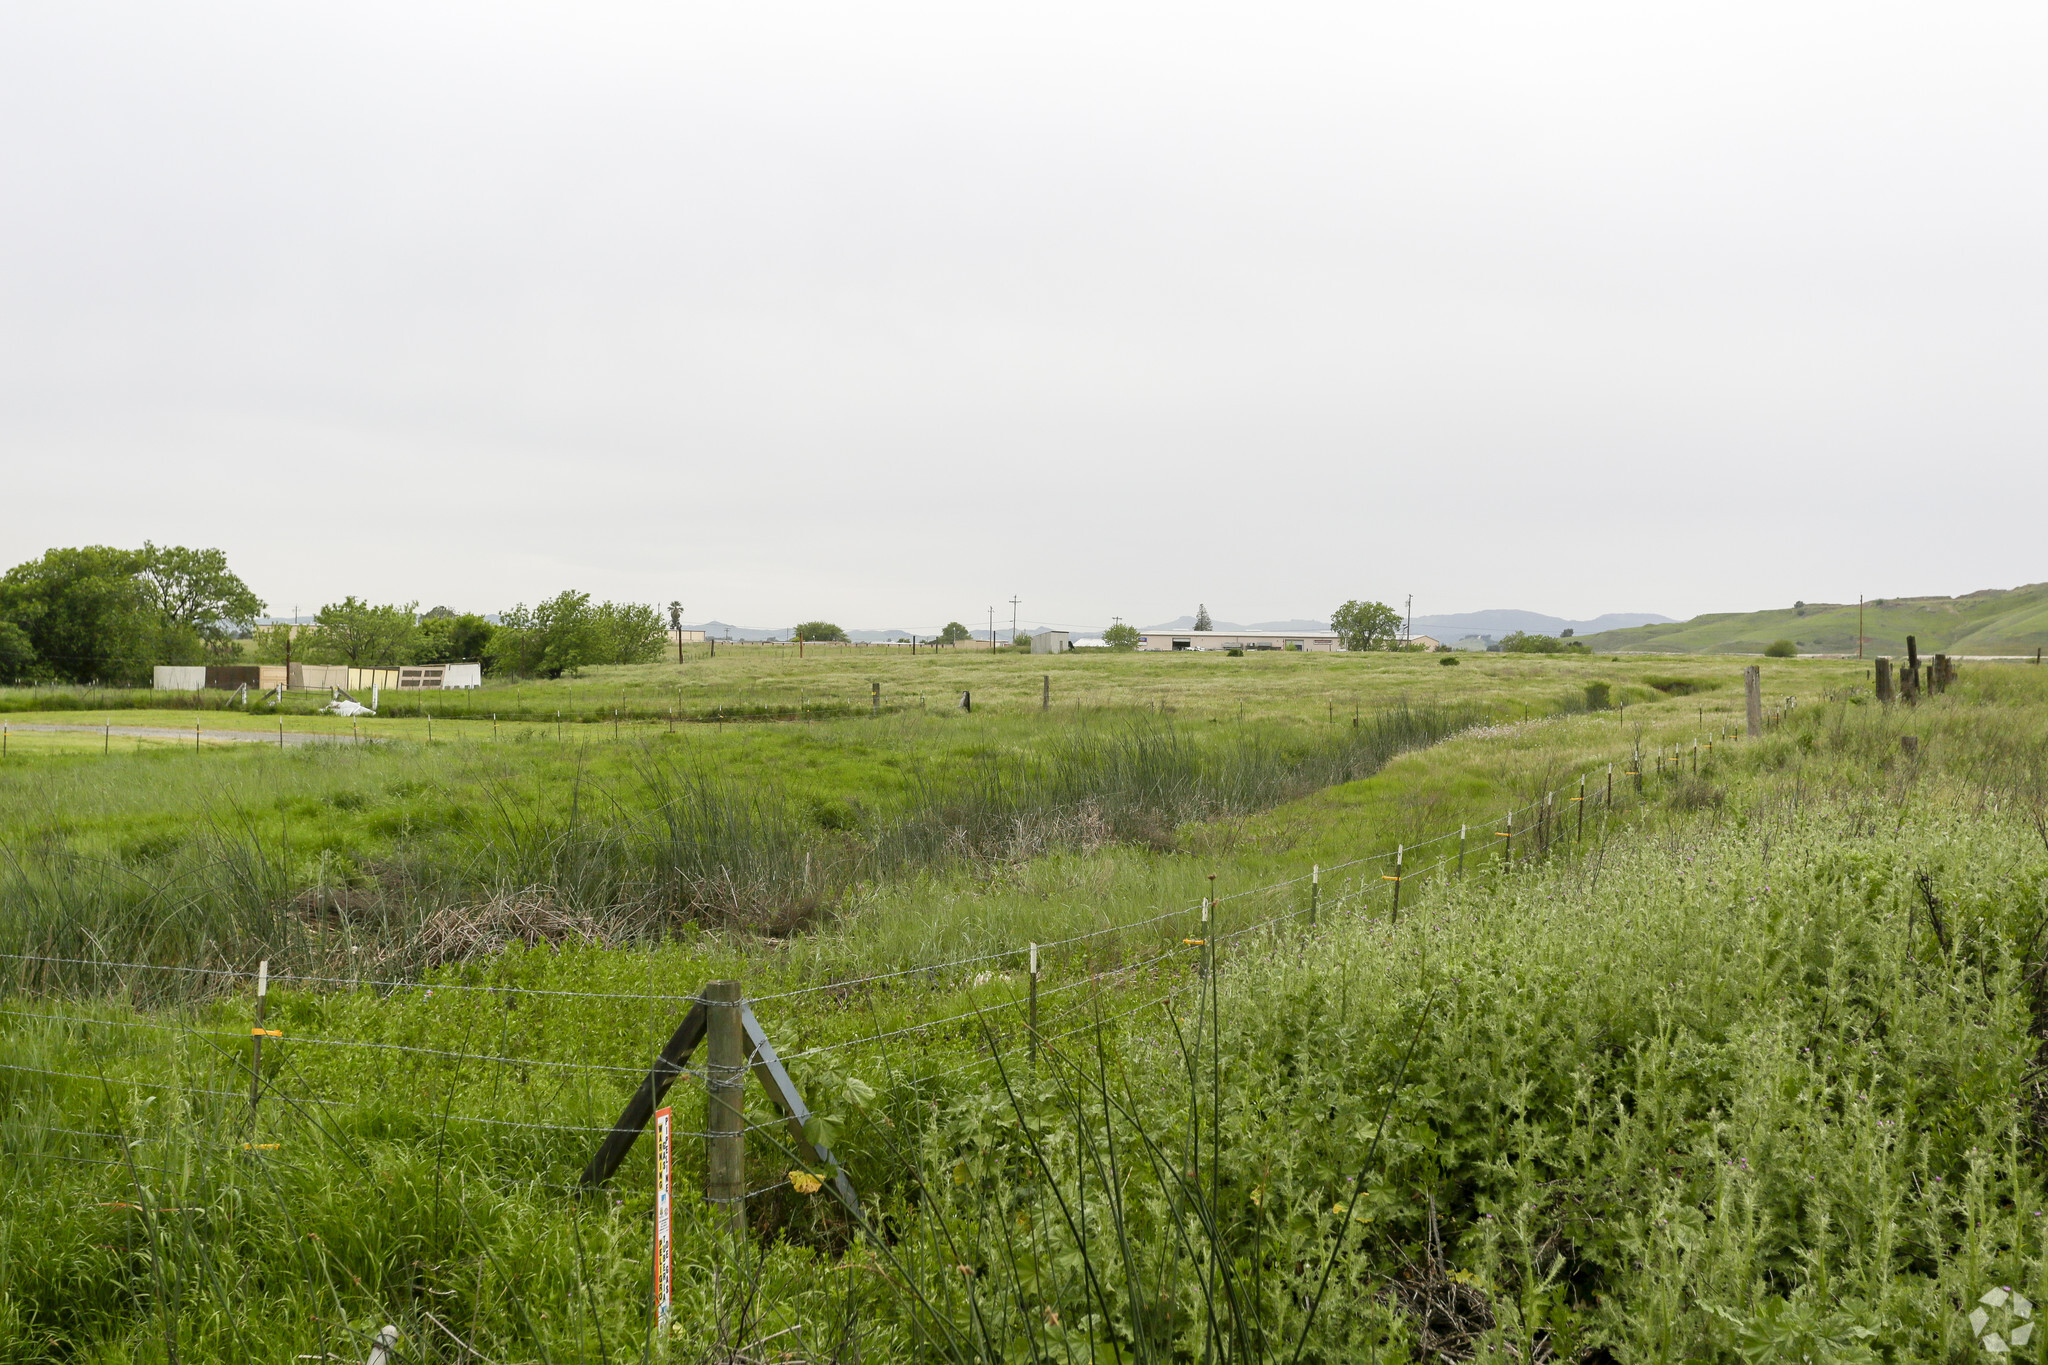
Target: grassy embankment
(1994, 622)
(1707, 1084)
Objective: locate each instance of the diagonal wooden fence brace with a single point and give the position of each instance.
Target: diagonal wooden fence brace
(647, 1098)
(769, 1071)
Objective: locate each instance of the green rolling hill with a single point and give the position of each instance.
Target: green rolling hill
(1994, 621)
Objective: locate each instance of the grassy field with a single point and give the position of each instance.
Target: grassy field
(1739, 1068)
(838, 682)
(1994, 622)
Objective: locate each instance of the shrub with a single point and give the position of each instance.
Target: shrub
(1781, 649)
(1680, 687)
(1121, 636)
(1233, 653)
(1599, 696)
(1447, 661)
(820, 632)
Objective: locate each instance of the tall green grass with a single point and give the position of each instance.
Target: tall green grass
(1749, 1080)
(659, 850)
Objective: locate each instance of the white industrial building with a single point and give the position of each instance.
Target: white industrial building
(1049, 642)
(1313, 641)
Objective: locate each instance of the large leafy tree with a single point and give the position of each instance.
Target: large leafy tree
(1202, 621)
(363, 635)
(953, 634)
(1365, 625)
(83, 612)
(822, 632)
(566, 634)
(447, 636)
(1121, 636)
(198, 604)
(629, 633)
(17, 654)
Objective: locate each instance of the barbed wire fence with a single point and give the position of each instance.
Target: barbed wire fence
(328, 1061)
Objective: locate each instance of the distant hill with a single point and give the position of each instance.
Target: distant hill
(1994, 621)
(1505, 621)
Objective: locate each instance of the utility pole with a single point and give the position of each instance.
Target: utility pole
(1859, 625)
(675, 622)
(1408, 630)
(1013, 618)
(991, 629)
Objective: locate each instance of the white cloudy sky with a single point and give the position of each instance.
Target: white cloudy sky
(886, 312)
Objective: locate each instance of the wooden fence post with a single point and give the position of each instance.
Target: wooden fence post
(1315, 892)
(875, 698)
(725, 1073)
(1884, 678)
(1753, 698)
(1507, 854)
(1045, 698)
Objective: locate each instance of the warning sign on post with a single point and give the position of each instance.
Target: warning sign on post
(664, 1128)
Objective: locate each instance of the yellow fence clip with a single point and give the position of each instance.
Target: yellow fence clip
(265, 1033)
(1387, 878)
(261, 1146)
(1195, 942)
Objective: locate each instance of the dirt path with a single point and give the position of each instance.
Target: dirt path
(165, 732)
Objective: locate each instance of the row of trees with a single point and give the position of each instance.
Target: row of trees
(564, 634)
(96, 613)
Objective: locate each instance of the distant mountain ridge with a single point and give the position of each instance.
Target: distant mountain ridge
(2009, 621)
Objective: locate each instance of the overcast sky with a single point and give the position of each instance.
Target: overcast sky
(884, 312)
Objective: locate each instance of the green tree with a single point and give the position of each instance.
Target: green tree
(1121, 636)
(953, 634)
(1781, 649)
(17, 654)
(629, 633)
(558, 636)
(824, 632)
(1365, 625)
(83, 612)
(1522, 642)
(198, 603)
(356, 633)
(1202, 621)
(445, 639)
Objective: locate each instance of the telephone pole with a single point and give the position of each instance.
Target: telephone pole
(1014, 599)
(991, 629)
(1408, 622)
(1859, 625)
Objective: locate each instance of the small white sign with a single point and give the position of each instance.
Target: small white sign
(664, 1260)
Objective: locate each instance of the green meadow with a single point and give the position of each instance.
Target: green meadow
(1733, 1059)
